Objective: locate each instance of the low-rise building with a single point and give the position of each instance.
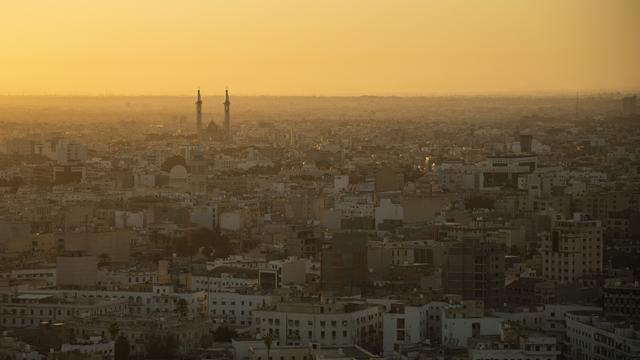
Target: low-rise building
(31, 309)
(595, 335)
(403, 325)
(513, 344)
(324, 322)
(622, 298)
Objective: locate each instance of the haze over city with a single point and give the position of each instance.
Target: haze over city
(319, 180)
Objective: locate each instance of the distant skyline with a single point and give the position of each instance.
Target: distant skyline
(323, 48)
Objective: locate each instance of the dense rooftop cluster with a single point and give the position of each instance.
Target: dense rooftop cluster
(321, 228)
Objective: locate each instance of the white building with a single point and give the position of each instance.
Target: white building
(555, 317)
(340, 182)
(513, 344)
(205, 216)
(30, 309)
(93, 346)
(387, 210)
(236, 308)
(47, 274)
(161, 299)
(403, 325)
(464, 320)
(129, 219)
(591, 335)
(326, 323)
(222, 282)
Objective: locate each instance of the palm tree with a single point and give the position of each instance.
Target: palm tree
(114, 330)
(267, 342)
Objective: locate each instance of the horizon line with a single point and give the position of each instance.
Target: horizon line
(540, 93)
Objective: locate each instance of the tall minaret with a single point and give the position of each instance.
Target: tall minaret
(227, 114)
(198, 113)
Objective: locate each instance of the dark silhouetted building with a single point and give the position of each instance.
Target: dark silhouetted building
(525, 143)
(344, 263)
(476, 271)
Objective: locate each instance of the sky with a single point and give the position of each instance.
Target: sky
(318, 47)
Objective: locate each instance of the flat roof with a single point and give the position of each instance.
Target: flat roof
(33, 296)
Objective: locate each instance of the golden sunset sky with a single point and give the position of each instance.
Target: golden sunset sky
(318, 47)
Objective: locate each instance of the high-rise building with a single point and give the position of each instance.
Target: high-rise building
(572, 249)
(525, 143)
(227, 113)
(476, 271)
(198, 113)
(344, 263)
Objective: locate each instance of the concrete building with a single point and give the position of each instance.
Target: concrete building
(476, 271)
(555, 320)
(31, 309)
(572, 249)
(160, 300)
(48, 274)
(344, 264)
(505, 171)
(621, 298)
(514, 343)
(326, 323)
(461, 322)
(403, 325)
(139, 331)
(305, 243)
(225, 281)
(205, 216)
(594, 335)
(257, 350)
(76, 269)
(235, 308)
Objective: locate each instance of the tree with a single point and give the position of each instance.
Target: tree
(122, 348)
(212, 242)
(268, 340)
(114, 330)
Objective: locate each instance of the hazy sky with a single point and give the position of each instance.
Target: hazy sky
(318, 47)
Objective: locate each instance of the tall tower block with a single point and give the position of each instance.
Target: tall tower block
(227, 112)
(198, 113)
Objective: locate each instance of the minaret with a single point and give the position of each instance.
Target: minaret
(577, 115)
(198, 113)
(227, 114)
